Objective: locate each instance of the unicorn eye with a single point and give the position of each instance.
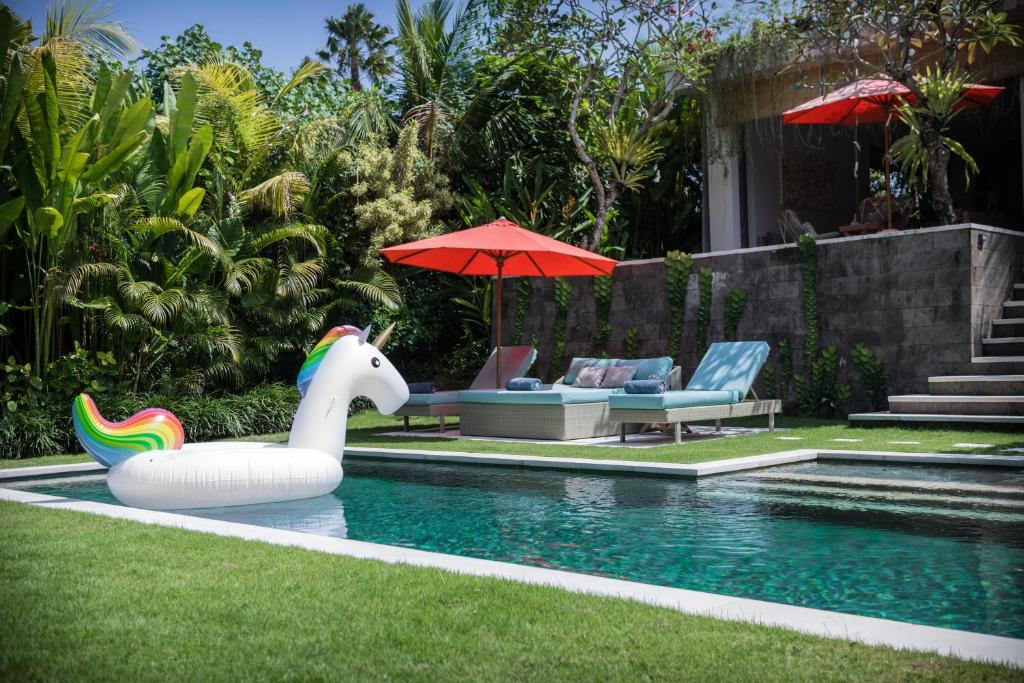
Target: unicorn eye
(375, 362)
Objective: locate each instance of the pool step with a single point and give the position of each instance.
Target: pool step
(899, 497)
(849, 504)
(976, 385)
(1018, 292)
(948, 487)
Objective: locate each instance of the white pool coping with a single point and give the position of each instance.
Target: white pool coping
(867, 630)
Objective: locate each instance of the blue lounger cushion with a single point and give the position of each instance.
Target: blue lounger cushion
(673, 399)
(730, 366)
(644, 386)
(557, 394)
(434, 399)
(523, 384)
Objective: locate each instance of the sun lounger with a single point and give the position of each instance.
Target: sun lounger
(717, 391)
(515, 362)
(558, 411)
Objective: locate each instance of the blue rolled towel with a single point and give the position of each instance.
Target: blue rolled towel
(523, 384)
(644, 386)
(421, 388)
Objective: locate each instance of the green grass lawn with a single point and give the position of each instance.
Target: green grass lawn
(364, 430)
(84, 597)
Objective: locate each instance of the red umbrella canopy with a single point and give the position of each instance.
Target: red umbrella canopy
(501, 247)
(872, 100)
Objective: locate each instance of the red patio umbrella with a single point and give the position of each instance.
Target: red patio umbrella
(499, 248)
(873, 100)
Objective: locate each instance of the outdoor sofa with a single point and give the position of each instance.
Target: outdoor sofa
(558, 411)
(515, 362)
(717, 391)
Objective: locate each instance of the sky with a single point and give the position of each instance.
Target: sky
(286, 30)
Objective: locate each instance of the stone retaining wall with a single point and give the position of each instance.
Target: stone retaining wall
(921, 299)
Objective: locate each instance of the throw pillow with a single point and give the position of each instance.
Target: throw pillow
(618, 376)
(589, 378)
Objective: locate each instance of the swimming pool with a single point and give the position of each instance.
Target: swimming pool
(928, 545)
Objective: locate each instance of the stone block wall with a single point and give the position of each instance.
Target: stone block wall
(921, 299)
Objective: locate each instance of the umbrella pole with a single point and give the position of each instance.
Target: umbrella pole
(497, 333)
(888, 175)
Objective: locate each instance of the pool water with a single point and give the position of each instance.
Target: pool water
(928, 545)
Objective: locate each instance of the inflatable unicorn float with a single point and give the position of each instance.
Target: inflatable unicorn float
(152, 467)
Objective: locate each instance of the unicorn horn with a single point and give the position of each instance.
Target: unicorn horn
(382, 338)
(365, 334)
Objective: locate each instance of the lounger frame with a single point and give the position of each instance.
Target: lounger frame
(679, 416)
(555, 422)
(438, 410)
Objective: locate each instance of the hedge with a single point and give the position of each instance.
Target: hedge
(46, 429)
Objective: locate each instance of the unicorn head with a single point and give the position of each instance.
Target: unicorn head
(343, 365)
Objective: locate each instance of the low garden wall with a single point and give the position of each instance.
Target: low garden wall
(921, 300)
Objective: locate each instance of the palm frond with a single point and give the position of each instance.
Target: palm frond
(89, 25)
(278, 195)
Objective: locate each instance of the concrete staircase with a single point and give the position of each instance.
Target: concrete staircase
(996, 399)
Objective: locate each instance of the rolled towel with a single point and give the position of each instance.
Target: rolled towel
(422, 388)
(645, 386)
(523, 384)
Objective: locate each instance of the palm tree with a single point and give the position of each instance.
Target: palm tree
(359, 45)
(457, 111)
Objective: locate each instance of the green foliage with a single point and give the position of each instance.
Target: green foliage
(359, 45)
(735, 303)
(396, 194)
(768, 377)
(819, 393)
(785, 376)
(632, 345)
(45, 428)
(524, 288)
(602, 306)
(677, 278)
(872, 374)
(808, 271)
(563, 300)
(705, 278)
(942, 90)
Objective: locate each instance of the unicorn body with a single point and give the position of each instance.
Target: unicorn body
(151, 467)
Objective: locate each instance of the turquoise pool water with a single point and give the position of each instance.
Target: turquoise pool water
(901, 543)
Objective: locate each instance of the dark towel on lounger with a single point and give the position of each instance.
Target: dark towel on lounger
(523, 384)
(421, 388)
(644, 386)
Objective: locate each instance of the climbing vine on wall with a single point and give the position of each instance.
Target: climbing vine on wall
(678, 265)
(808, 266)
(820, 393)
(632, 343)
(735, 303)
(563, 299)
(602, 307)
(523, 289)
(704, 280)
(872, 374)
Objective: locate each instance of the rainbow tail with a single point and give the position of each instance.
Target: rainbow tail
(112, 442)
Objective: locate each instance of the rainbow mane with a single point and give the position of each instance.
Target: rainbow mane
(112, 442)
(312, 363)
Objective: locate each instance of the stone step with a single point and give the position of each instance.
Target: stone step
(976, 385)
(957, 405)
(1008, 327)
(1010, 422)
(1013, 308)
(1018, 292)
(998, 365)
(1003, 346)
